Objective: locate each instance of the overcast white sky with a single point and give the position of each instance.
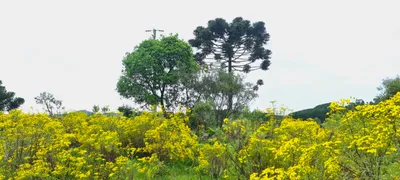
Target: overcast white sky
(322, 50)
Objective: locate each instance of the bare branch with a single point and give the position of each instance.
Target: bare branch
(255, 68)
(241, 61)
(215, 43)
(236, 69)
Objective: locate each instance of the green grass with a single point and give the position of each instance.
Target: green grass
(182, 172)
(176, 171)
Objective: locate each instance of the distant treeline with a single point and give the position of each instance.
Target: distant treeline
(318, 113)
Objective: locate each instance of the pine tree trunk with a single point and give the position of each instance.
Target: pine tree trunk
(230, 95)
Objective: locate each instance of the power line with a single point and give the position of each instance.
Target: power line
(154, 32)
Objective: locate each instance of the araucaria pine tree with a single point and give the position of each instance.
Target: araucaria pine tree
(237, 46)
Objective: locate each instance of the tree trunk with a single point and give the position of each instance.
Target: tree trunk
(164, 111)
(230, 95)
(162, 102)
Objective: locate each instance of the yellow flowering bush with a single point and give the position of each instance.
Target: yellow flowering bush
(149, 167)
(295, 149)
(133, 130)
(79, 146)
(361, 142)
(369, 139)
(171, 140)
(270, 173)
(237, 132)
(213, 159)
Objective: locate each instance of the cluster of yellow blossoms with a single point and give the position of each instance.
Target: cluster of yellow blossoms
(362, 143)
(80, 146)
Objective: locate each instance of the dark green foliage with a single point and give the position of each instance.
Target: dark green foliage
(389, 88)
(353, 105)
(7, 100)
(318, 113)
(216, 86)
(128, 111)
(202, 116)
(105, 109)
(255, 115)
(96, 109)
(154, 73)
(235, 46)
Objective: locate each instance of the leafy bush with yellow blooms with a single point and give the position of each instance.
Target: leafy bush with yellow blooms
(359, 143)
(82, 146)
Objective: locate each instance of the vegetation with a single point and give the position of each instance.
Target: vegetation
(7, 100)
(318, 113)
(215, 87)
(389, 87)
(198, 124)
(155, 72)
(235, 47)
(96, 109)
(50, 104)
(352, 144)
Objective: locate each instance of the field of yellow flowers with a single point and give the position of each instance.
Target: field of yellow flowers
(361, 143)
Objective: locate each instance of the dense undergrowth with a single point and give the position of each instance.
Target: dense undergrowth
(361, 143)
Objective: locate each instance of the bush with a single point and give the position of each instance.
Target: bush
(361, 143)
(82, 146)
(202, 117)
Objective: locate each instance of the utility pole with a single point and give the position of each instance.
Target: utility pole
(155, 32)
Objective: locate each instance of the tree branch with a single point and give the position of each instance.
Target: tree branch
(236, 69)
(241, 61)
(215, 43)
(255, 68)
(152, 88)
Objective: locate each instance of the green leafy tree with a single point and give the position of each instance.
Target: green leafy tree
(202, 116)
(217, 86)
(96, 109)
(236, 46)
(7, 100)
(389, 88)
(126, 111)
(50, 104)
(105, 109)
(155, 72)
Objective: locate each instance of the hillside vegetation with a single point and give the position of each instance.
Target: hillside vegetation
(361, 143)
(192, 121)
